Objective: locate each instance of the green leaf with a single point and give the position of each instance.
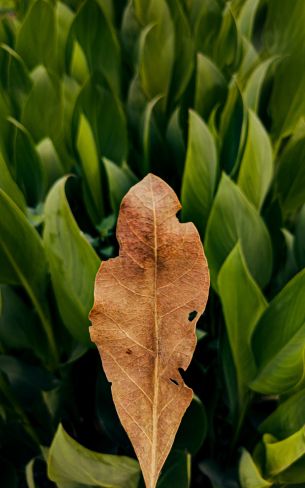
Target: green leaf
(243, 304)
(299, 241)
(99, 43)
(211, 86)
(290, 176)
(157, 48)
(42, 112)
(256, 169)
(280, 455)
(69, 462)
(249, 473)
(234, 218)
(232, 128)
(9, 186)
(88, 154)
(147, 133)
(200, 173)
(255, 85)
(20, 246)
(278, 340)
(246, 17)
(50, 162)
(35, 45)
(227, 48)
(64, 19)
(30, 174)
(280, 36)
(184, 51)
(288, 417)
(120, 179)
(15, 78)
(105, 114)
(73, 263)
(79, 67)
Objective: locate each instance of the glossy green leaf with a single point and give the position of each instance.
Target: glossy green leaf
(79, 67)
(280, 455)
(36, 45)
(255, 85)
(249, 474)
(99, 43)
(234, 218)
(211, 86)
(20, 246)
(64, 19)
(88, 154)
(256, 167)
(287, 418)
(243, 304)
(246, 18)
(120, 179)
(69, 462)
(105, 114)
(42, 112)
(10, 187)
(200, 173)
(73, 263)
(52, 166)
(290, 176)
(156, 51)
(30, 173)
(278, 340)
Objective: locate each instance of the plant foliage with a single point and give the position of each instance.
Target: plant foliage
(209, 95)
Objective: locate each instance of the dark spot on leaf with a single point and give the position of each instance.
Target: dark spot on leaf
(192, 315)
(128, 351)
(174, 381)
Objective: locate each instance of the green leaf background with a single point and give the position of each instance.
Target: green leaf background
(209, 95)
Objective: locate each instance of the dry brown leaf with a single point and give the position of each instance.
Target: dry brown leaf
(141, 320)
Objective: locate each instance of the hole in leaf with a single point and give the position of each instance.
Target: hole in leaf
(192, 315)
(128, 351)
(174, 381)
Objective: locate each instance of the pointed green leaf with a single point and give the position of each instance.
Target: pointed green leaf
(36, 45)
(99, 43)
(278, 340)
(255, 84)
(200, 172)
(69, 462)
(88, 154)
(211, 86)
(242, 304)
(234, 218)
(73, 263)
(256, 168)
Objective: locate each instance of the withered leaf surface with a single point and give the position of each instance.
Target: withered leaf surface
(144, 318)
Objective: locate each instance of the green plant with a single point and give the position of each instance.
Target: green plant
(208, 95)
